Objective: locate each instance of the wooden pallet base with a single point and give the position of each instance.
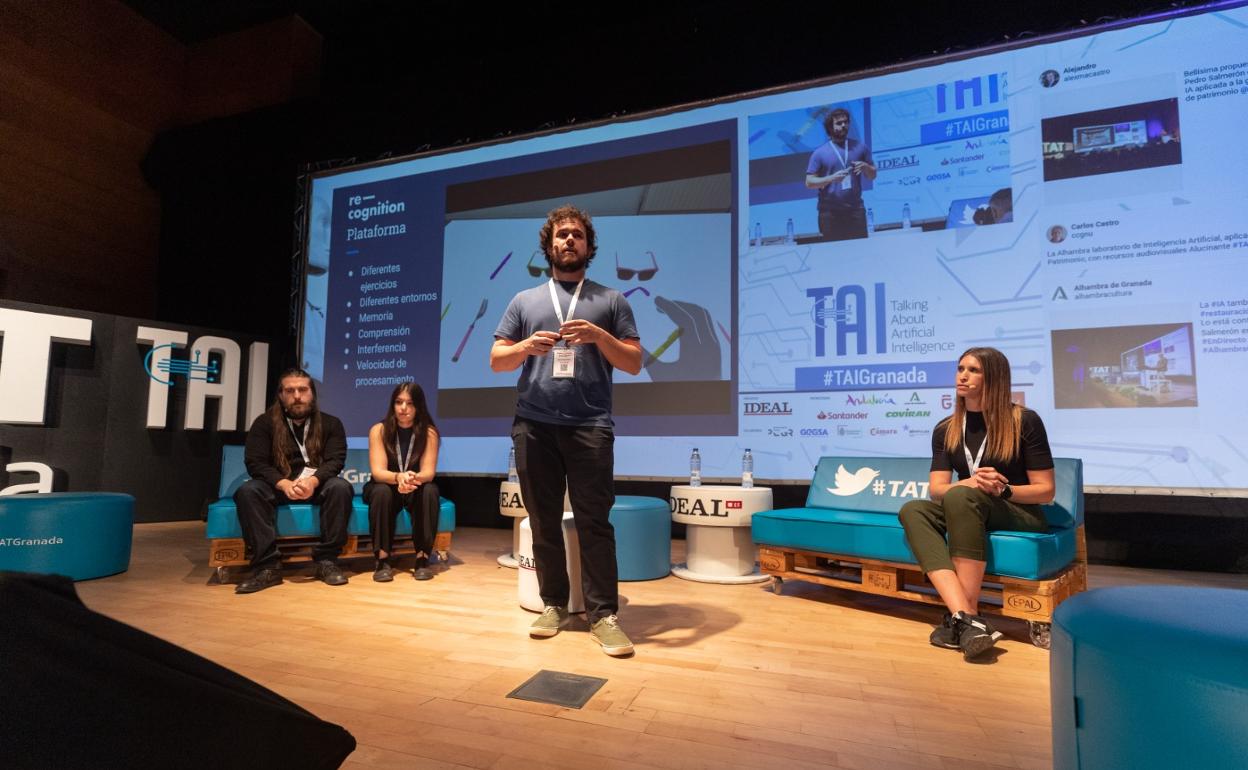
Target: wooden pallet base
(224, 553)
(1030, 600)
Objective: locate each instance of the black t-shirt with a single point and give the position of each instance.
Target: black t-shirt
(1034, 453)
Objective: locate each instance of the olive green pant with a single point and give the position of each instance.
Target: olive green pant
(966, 516)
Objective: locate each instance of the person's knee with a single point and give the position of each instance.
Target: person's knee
(911, 514)
(252, 490)
(429, 491)
(960, 498)
(337, 488)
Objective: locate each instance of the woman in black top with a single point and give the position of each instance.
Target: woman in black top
(403, 456)
(1005, 473)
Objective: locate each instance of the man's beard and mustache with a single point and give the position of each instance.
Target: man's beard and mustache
(298, 411)
(569, 261)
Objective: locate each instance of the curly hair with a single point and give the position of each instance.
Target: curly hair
(831, 116)
(568, 211)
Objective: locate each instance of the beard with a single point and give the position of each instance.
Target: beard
(297, 411)
(569, 261)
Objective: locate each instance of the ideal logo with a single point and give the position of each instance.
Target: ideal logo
(852, 483)
(848, 484)
(697, 507)
(984, 89)
(849, 314)
(897, 161)
(509, 500)
(757, 408)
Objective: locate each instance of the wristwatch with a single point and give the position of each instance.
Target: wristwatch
(1007, 491)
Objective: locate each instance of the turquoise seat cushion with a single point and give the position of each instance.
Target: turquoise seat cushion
(643, 537)
(302, 519)
(879, 536)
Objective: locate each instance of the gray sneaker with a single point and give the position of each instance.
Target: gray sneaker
(607, 632)
(549, 622)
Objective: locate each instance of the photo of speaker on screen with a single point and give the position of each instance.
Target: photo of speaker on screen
(1124, 367)
(836, 169)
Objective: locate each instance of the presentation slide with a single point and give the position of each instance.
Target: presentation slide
(806, 265)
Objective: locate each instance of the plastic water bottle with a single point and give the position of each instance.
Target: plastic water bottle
(870, 223)
(747, 470)
(758, 233)
(695, 469)
(512, 475)
(788, 231)
(905, 217)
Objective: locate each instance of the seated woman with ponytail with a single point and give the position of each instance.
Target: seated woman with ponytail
(1005, 473)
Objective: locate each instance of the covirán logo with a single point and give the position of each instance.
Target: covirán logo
(852, 483)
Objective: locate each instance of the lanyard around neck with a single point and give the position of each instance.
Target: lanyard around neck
(303, 450)
(843, 158)
(554, 298)
(404, 462)
(972, 463)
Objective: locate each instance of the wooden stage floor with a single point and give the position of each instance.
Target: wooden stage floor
(724, 676)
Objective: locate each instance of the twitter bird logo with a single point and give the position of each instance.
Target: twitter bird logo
(852, 483)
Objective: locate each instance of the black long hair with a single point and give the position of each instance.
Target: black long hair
(283, 442)
(420, 427)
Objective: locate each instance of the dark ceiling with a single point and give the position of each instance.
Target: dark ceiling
(453, 72)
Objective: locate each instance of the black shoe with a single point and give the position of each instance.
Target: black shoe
(259, 580)
(384, 572)
(945, 635)
(330, 573)
(975, 636)
(422, 569)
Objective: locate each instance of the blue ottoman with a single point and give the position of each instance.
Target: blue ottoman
(1150, 677)
(643, 537)
(80, 535)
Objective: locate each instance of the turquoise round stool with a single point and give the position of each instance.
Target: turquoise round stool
(643, 537)
(80, 535)
(1150, 677)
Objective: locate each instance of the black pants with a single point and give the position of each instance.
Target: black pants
(843, 224)
(385, 502)
(546, 455)
(257, 503)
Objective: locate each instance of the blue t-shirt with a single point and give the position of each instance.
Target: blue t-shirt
(586, 398)
(828, 160)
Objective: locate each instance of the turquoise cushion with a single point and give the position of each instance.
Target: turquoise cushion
(304, 519)
(866, 535)
(643, 537)
(80, 535)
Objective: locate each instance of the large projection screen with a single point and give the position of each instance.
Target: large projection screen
(1078, 202)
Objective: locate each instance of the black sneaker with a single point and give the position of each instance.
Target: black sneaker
(975, 636)
(384, 572)
(259, 580)
(422, 569)
(330, 573)
(945, 635)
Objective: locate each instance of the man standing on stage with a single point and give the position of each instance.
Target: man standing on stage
(566, 336)
(294, 453)
(836, 170)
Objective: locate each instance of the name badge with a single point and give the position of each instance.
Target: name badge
(565, 362)
(847, 183)
(306, 473)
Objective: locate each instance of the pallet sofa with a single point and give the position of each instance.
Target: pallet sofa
(298, 524)
(849, 536)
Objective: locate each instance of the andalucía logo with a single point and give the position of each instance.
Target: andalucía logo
(863, 399)
(914, 399)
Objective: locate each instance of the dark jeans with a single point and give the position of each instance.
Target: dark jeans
(966, 515)
(546, 455)
(257, 503)
(385, 502)
(843, 224)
